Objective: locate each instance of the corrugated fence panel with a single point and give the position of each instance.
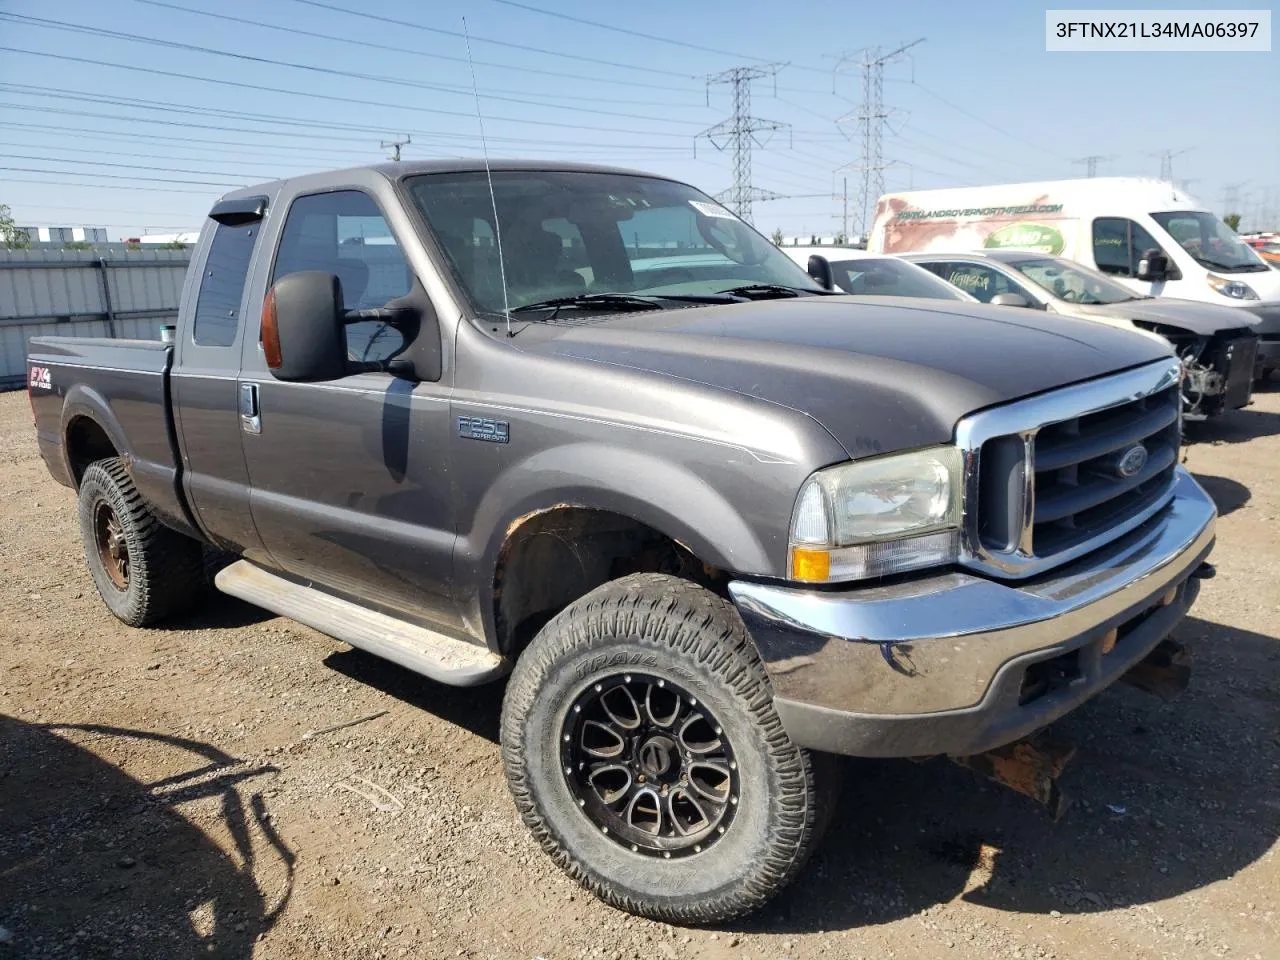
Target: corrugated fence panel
(60, 292)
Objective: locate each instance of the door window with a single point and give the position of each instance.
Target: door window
(344, 233)
(1118, 245)
(217, 319)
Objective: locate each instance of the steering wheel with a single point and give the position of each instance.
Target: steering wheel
(1071, 296)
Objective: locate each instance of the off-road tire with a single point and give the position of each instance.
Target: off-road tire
(165, 568)
(668, 628)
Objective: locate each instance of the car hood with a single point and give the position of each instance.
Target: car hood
(1202, 319)
(879, 374)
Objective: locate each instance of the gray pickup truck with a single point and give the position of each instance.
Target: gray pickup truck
(585, 427)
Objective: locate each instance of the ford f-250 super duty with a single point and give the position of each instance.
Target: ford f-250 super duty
(587, 428)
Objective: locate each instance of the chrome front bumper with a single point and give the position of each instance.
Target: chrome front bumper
(941, 664)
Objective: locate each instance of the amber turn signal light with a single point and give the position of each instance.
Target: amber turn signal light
(270, 333)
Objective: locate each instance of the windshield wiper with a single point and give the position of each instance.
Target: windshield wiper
(1233, 267)
(594, 301)
(768, 291)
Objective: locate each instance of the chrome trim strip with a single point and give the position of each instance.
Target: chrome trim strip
(1026, 418)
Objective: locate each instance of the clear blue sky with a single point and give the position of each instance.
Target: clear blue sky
(979, 101)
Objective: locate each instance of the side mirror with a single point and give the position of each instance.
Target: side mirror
(820, 269)
(1009, 300)
(304, 328)
(1153, 267)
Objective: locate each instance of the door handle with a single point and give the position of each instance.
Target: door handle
(250, 413)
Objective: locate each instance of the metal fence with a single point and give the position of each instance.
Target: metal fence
(109, 291)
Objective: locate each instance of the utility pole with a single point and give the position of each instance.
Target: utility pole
(739, 132)
(872, 119)
(1091, 163)
(395, 145)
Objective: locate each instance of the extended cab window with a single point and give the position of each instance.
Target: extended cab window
(1118, 245)
(217, 317)
(344, 233)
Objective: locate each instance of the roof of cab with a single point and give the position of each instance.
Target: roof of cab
(396, 170)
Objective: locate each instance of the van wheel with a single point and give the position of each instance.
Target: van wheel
(143, 570)
(643, 751)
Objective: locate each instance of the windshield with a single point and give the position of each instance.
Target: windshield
(569, 234)
(887, 277)
(1070, 282)
(1210, 242)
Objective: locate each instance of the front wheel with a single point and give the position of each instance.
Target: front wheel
(643, 751)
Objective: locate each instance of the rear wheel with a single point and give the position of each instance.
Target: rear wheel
(643, 751)
(143, 570)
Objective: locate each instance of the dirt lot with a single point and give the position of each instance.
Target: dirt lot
(160, 795)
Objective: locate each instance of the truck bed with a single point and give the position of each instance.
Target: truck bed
(127, 383)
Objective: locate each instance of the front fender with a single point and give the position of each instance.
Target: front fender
(658, 492)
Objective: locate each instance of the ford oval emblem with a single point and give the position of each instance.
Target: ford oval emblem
(1132, 461)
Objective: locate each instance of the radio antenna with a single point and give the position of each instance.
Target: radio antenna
(493, 199)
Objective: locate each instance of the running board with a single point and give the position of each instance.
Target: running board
(434, 655)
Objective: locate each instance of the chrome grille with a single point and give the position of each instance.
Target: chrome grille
(1079, 489)
(1045, 481)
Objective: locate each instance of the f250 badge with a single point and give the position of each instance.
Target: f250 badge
(482, 428)
(40, 379)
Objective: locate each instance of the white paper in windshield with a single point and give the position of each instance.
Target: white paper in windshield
(711, 210)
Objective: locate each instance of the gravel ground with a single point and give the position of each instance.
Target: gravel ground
(160, 794)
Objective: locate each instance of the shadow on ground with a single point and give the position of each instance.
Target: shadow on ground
(1234, 426)
(476, 709)
(1166, 798)
(1228, 495)
(96, 864)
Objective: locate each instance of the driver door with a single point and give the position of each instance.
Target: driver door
(350, 487)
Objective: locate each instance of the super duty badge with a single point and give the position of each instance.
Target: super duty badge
(482, 428)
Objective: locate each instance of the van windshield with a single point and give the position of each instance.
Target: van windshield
(1211, 243)
(576, 234)
(1067, 281)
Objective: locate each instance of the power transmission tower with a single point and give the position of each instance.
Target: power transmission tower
(1166, 163)
(872, 119)
(739, 132)
(395, 145)
(1231, 197)
(1091, 163)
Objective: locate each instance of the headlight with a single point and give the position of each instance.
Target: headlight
(1236, 289)
(879, 516)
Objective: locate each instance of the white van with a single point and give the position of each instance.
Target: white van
(1148, 234)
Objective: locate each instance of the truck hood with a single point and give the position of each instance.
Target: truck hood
(1202, 319)
(879, 373)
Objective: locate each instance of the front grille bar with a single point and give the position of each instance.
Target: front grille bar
(1022, 421)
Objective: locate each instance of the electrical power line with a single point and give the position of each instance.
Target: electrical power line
(297, 31)
(313, 68)
(980, 119)
(457, 35)
(332, 98)
(112, 176)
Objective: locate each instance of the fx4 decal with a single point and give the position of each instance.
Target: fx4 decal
(40, 379)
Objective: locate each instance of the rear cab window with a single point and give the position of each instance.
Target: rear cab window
(217, 316)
